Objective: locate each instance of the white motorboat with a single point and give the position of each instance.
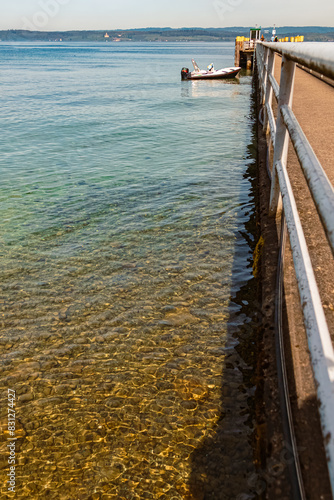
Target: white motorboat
(210, 73)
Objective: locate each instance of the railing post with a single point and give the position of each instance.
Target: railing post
(282, 136)
(258, 49)
(264, 77)
(269, 89)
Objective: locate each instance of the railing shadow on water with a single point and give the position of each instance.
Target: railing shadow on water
(223, 465)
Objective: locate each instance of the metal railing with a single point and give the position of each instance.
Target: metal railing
(318, 57)
(249, 45)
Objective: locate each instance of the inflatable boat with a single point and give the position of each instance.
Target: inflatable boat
(208, 74)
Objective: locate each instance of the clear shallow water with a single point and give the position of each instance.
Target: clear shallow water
(126, 201)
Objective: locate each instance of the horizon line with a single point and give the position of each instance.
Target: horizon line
(165, 28)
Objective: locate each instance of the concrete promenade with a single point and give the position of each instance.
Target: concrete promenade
(313, 106)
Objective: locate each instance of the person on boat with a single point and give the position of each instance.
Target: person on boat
(211, 67)
(262, 38)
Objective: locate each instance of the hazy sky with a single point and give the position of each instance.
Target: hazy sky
(114, 14)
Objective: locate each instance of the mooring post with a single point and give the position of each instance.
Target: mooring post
(249, 61)
(237, 53)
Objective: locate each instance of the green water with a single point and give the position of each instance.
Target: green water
(126, 279)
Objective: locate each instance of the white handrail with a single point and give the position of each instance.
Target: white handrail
(274, 86)
(319, 184)
(320, 57)
(316, 56)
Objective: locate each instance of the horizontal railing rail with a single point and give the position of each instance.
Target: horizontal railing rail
(249, 45)
(318, 57)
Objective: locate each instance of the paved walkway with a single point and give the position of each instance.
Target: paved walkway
(313, 106)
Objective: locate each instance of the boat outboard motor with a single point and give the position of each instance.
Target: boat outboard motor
(184, 73)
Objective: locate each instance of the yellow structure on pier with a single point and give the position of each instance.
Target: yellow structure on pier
(244, 47)
(292, 39)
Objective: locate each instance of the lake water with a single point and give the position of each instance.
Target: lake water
(126, 272)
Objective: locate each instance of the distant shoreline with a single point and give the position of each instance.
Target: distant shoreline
(311, 33)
